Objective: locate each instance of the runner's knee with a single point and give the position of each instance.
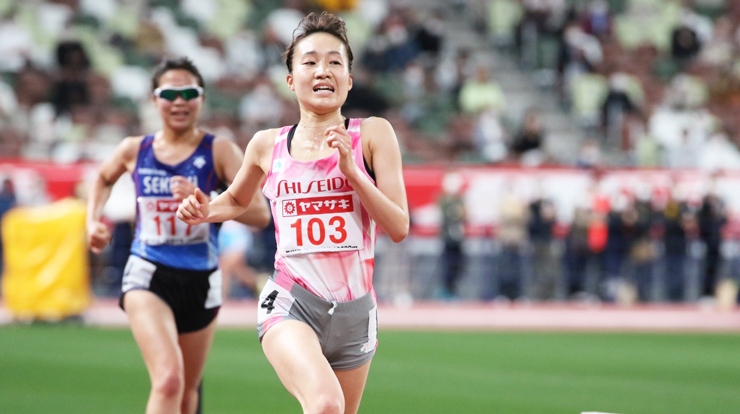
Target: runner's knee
(169, 383)
(326, 403)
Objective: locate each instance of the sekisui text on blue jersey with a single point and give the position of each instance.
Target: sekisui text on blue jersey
(160, 236)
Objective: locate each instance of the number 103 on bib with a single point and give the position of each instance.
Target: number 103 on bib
(316, 224)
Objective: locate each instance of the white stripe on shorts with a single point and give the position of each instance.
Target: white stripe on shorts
(137, 274)
(215, 292)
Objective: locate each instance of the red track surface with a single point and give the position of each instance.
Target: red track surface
(476, 316)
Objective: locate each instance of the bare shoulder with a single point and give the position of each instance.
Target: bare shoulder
(128, 149)
(224, 144)
(123, 159)
(222, 141)
(264, 139)
(377, 131)
(259, 148)
(376, 124)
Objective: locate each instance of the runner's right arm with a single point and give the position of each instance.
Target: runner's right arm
(229, 159)
(98, 235)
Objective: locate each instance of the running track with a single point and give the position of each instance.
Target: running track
(477, 316)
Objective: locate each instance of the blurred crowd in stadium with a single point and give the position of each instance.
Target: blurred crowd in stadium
(647, 83)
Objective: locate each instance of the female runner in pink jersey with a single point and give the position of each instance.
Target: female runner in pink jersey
(330, 181)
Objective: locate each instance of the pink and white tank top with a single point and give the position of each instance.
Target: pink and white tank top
(325, 237)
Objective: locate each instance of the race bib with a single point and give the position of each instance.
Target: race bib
(320, 224)
(160, 225)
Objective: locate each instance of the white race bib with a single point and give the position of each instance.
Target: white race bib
(327, 223)
(160, 225)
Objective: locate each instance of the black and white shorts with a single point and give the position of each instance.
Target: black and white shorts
(347, 331)
(193, 295)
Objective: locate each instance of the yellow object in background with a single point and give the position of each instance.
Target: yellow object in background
(47, 275)
(337, 5)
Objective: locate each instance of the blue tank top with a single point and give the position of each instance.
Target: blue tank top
(160, 236)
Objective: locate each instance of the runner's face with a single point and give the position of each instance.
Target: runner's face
(320, 76)
(179, 114)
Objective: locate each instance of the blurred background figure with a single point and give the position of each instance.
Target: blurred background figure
(70, 88)
(528, 143)
(454, 215)
(512, 239)
(712, 218)
(234, 242)
(545, 251)
(576, 254)
(7, 201)
(678, 223)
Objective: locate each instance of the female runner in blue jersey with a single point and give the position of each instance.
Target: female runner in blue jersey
(171, 284)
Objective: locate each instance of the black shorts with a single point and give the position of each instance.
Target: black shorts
(193, 295)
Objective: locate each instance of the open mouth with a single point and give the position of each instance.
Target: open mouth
(180, 114)
(323, 88)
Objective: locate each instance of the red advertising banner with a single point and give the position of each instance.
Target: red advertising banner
(483, 189)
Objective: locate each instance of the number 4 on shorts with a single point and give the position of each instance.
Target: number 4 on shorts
(269, 301)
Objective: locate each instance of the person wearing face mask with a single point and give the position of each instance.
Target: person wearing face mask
(171, 282)
(330, 181)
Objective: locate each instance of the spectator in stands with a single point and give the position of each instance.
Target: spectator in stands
(649, 153)
(718, 153)
(391, 47)
(430, 34)
(589, 155)
(401, 47)
(454, 215)
(541, 16)
(149, 40)
(8, 102)
(414, 91)
(271, 44)
(481, 92)
(580, 53)
(459, 143)
(70, 87)
(490, 137)
(720, 48)
(684, 154)
(244, 56)
(32, 87)
(17, 45)
(531, 135)
(261, 106)
(684, 43)
(625, 96)
(11, 143)
(364, 98)
(699, 23)
(597, 20)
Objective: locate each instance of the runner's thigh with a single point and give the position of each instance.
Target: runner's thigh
(295, 353)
